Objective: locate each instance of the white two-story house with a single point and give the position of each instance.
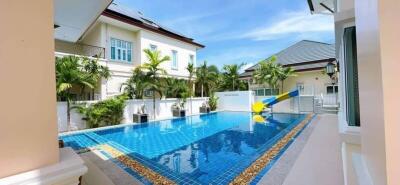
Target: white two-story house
(119, 36)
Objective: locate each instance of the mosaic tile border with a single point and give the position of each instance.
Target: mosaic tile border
(149, 174)
(257, 166)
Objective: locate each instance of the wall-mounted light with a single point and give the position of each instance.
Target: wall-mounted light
(330, 69)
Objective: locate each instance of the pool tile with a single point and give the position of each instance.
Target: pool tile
(207, 149)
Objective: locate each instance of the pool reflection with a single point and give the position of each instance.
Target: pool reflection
(206, 158)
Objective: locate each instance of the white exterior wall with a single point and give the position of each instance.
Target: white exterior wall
(94, 35)
(163, 111)
(166, 45)
(315, 80)
(106, 28)
(315, 83)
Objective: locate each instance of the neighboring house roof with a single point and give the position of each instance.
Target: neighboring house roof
(136, 18)
(305, 55)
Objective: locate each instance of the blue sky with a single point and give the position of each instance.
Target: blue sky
(238, 31)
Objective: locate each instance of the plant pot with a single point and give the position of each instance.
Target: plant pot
(205, 110)
(140, 118)
(178, 113)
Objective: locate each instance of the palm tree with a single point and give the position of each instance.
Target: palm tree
(190, 68)
(68, 74)
(136, 84)
(214, 80)
(174, 88)
(153, 69)
(285, 72)
(96, 71)
(206, 77)
(231, 75)
(268, 72)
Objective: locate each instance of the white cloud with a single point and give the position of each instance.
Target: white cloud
(293, 23)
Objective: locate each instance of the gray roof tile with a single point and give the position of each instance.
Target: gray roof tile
(305, 51)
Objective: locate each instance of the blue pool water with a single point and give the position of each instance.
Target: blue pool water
(205, 149)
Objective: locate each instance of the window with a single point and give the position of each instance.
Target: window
(174, 60)
(351, 76)
(153, 47)
(300, 87)
(191, 59)
(332, 89)
(266, 92)
(148, 93)
(260, 92)
(121, 50)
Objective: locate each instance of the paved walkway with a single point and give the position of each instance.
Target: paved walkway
(313, 159)
(114, 173)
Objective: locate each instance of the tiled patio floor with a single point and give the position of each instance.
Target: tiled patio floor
(313, 159)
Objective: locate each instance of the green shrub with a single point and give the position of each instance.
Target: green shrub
(213, 102)
(104, 113)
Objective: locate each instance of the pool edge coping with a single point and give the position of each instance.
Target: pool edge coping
(128, 124)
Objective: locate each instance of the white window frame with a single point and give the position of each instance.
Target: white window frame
(174, 59)
(350, 133)
(300, 86)
(265, 91)
(124, 47)
(332, 85)
(191, 59)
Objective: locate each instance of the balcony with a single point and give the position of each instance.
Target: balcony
(79, 49)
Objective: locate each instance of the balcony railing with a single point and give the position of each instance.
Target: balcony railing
(80, 49)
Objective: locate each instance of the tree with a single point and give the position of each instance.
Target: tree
(268, 72)
(69, 73)
(136, 84)
(284, 73)
(206, 77)
(153, 69)
(190, 68)
(175, 88)
(95, 71)
(230, 76)
(214, 80)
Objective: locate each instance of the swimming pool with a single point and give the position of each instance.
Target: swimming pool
(203, 149)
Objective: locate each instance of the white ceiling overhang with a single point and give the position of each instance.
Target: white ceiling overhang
(322, 6)
(74, 17)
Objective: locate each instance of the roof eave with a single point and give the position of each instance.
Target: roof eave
(129, 20)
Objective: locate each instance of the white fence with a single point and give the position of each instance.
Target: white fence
(235, 100)
(243, 100)
(163, 110)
